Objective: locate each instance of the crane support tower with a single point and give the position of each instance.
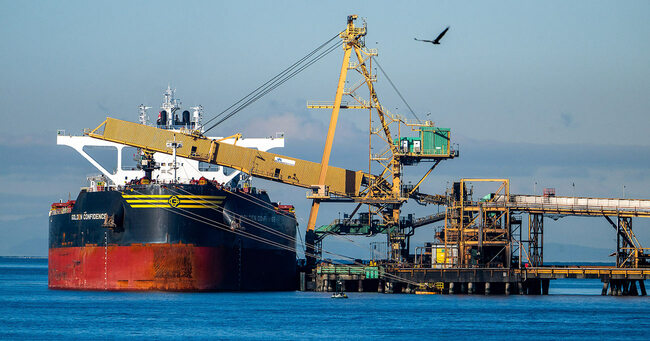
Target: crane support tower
(386, 194)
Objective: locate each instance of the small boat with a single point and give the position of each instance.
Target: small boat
(339, 293)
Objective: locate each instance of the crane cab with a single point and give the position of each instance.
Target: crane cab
(432, 143)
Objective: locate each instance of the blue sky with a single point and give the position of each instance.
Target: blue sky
(554, 92)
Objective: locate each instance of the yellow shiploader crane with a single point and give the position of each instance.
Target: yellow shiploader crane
(265, 165)
(384, 192)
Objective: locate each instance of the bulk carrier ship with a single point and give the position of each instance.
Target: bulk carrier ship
(170, 223)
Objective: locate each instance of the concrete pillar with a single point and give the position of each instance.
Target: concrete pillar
(520, 288)
(463, 288)
(470, 288)
(619, 288)
(487, 288)
(545, 285)
(302, 282)
(389, 288)
(360, 285)
(642, 287)
(605, 287)
(451, 288)
(633, 291)
(380, 286)
(507, 290)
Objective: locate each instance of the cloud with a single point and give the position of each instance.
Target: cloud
(567, 120)
(12, 140)
(300, 128)
(102, 108)
(35, 176)
(17, 217)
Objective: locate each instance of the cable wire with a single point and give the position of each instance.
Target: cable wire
(274, 85)
(276, 76)
(395, 88)
(261, 88)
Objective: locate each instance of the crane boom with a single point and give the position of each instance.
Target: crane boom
(265, 165)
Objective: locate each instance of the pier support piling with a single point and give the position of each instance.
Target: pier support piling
(605, 287)
(545, 285)
(642, 287)
(388, 287)
(303, 282)
(633, 291)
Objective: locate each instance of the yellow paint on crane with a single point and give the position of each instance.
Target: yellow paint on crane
(269, 166)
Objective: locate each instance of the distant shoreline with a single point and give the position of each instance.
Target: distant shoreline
(343, 261)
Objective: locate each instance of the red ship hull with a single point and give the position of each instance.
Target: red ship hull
(114, 240)
(178, 267)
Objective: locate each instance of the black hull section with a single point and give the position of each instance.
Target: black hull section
(173, 237)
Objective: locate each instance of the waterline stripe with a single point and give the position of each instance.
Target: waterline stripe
(166, 200)
(169, 195)
(179, 206)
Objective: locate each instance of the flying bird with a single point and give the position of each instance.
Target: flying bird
(437, 40)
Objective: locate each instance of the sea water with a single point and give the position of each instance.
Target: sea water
(574, 309)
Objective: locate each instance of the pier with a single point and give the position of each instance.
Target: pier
(483, 281)
(488, 247)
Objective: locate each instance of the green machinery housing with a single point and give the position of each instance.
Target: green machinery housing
(432, 143)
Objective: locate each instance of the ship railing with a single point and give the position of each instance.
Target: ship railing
(60, 210)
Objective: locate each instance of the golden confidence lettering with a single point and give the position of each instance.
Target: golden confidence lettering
(88, 216)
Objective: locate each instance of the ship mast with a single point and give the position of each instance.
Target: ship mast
(174, 145)
(144, 118)
(170, 106)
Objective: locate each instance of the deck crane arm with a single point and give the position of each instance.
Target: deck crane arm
(265, 165)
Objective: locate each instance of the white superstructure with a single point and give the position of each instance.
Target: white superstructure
(186, 170)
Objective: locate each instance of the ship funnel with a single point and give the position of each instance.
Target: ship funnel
(186, 117)
(163, 118)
